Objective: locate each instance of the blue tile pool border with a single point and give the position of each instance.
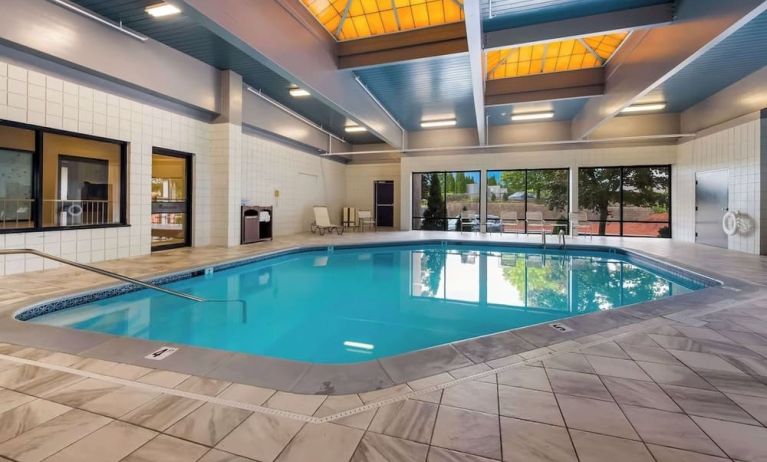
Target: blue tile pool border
(70, 301)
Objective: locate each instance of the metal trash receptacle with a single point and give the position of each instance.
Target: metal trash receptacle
(250, 225)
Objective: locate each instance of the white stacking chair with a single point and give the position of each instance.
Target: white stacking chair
(366, 219)
(579, 221)
(511, 220)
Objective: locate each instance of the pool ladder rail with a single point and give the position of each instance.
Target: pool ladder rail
(130, 280)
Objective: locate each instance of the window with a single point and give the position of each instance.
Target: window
(49, 179)
(440, 197)
(522, 191)
(627, 201)
(17, 148)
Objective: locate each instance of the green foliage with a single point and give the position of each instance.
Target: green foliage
(435, 203)
(491, 181)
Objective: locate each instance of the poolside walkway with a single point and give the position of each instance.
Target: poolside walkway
(687, 386)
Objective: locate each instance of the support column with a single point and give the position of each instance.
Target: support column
(226, 163)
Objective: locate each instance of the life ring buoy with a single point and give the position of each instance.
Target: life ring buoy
(75, 210)
(730, 223)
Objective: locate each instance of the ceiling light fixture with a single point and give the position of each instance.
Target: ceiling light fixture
(438, 123)
(162, 9)
(355, 129)
(97, 18)
(644, 107)
(532, 116)
(298, 92)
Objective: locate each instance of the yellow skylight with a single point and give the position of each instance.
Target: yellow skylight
(557, 56)
(353, 19)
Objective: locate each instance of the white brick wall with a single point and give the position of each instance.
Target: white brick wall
(303, 180)
(736, 149)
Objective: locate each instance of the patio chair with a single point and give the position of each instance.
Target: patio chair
(322, 222)
(349, 217)
(366, 219)
(538, 225)
(467, 219)
(509, 220)
(579, 221)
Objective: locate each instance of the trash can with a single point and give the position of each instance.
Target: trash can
(256, 224)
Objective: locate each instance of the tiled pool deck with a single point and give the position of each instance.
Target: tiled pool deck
(678, 380)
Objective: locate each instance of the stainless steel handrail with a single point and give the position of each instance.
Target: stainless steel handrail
(105, 273)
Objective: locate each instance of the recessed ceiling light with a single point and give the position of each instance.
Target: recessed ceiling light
(438, 123)
(644, 107)
(532, 116)
(162, 9)
(355, 129)
(298, 92)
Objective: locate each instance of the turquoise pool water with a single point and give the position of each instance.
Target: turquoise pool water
(357, 304)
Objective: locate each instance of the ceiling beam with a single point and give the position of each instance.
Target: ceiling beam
(544, 87)
(275, 33)
(644, 17)
(473, 22)
(440, 40)
(661, 53)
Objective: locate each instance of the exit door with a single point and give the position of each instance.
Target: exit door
(384, 202)
(711, 203)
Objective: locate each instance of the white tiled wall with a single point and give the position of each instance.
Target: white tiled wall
(32, 97)
(359, 185)
(303, 180)
(736, 149)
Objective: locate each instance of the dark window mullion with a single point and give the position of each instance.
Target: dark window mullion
(37, 180)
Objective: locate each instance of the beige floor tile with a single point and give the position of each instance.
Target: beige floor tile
(575, 362)
(108, 444)
(430, 397)
(532, 441)
(167, 449)
(113, 369)
(674, 375)
(754, 405)
(467, 431)
(60, 359)
(578, 384)
(301, 404)
(624, 368)
(81, 392)
(166, 379)
(27, 416)
(261, 437)
(470, 370)
(639, 393)
(704, 361)
(410, 419)
(595, 416)
(162, 412)
(708, 403)
(52, 436)
(472, 395)
(335, 404)
(10, 399)
(375, 447)
(214, 455)
(525, 377)
(608, 349)
(380, 395)
(246, 394)
(600, 448)
(430, 381)
(670, 429)
(322, 443)
(523, 403)
(446, 455)
(208, 424)
(203, 386)
(665, 454)
(120, 402)
(652, 354)
(739, 441)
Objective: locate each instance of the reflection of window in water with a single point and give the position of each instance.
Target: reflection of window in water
(450, 276)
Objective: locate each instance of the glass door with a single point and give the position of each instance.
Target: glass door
(171, 200)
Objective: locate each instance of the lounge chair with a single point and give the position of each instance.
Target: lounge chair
(536, 219)
(366, 219)
(579, 221)
(322, 222)
(510, 222)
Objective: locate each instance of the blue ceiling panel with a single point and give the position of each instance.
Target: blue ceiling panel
(505, 14)
(737, 56)
(564, 109)
(185, 35)
(437, 88)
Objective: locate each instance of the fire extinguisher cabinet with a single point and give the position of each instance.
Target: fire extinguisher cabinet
(256, 224)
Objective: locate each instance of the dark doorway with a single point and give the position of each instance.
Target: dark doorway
(171, 199)
(384, 201)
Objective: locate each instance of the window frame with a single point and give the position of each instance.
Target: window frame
(526, 171)
(621, 221)
(37, 179)
(443, 172)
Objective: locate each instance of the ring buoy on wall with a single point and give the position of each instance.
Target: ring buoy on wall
(730, 223)
(75, 210)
